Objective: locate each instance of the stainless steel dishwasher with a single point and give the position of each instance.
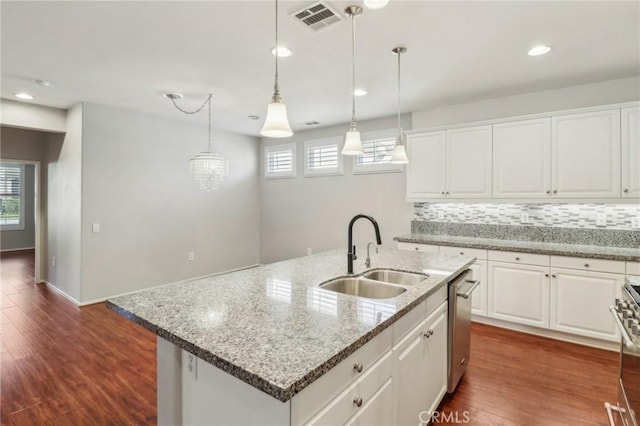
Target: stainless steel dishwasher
(460, 289)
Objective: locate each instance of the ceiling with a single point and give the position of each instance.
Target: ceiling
(127, 54)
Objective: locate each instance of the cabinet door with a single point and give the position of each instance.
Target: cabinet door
(479, 295)
(469, 162)
(426, 171)
(631, 152)
(586, 155)
(377, 412)
(522, 159)
(436, 357)
(580, 302)
(519, 293)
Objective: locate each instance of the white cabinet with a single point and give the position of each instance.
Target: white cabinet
(586, 155)
(519, 293)
(479, 296)
(450, 164)
(420, 368)
(376, 412)
(469, 162)
(631, 152)
(427, 248)
(426, 172)
(580, 302)
(522, 159)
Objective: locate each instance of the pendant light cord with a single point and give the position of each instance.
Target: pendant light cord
(399, 124)
(206, 102)
(353, 70)
(276, 87)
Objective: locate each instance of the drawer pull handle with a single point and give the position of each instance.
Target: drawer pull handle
(442, 193)
(586, 265)
(546, 275)
(461, 253)
(428, 333)
(548, 191)
(517, 258)
(357, 401)
(417, 248)
(555, 191)
(626, 190)
(358, 367)
(553, 275)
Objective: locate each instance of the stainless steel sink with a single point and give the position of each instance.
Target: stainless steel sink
(363, 287)
(395, 277)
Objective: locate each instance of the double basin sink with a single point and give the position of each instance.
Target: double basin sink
(376, 284)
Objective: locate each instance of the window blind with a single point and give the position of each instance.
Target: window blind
(376, 151)
(11, 182)
(322, 157)
(279, 161)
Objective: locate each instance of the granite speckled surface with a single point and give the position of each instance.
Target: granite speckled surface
(578, 250)
(273, 326)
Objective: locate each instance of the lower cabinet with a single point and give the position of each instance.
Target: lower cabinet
(420, 369)
(479, 295)
(519, 293)
(376, 412)
(580, 302)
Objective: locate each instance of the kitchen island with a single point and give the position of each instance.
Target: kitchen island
(264, 345)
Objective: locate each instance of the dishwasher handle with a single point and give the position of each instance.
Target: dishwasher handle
(466, 294)
(623, 331)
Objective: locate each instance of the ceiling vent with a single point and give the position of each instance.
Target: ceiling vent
(317, 16)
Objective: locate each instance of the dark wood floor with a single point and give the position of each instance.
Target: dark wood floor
(65, 365)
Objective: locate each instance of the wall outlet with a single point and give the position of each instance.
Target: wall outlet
(53, 261)
(524, 217)
(192, 256)
(95, 228)
(601, 219)
(309, 251)
(635, 222)
(440, 214)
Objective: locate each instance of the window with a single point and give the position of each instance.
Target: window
(377, 148)
(11, 196)
(280, 161)
(322, 157)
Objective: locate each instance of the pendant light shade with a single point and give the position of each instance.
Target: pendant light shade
(352, 142)
(399, 155)
(276, 124)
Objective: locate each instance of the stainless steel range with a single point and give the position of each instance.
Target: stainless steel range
(626, 313)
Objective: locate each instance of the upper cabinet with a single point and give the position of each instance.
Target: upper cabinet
(521, 159)
(631, 152)
(586, 155)
(450, 164)
(574, 155)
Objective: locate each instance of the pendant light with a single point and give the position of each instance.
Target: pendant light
(208, 168)
(276, 125)
(352, 142)
(399, 155)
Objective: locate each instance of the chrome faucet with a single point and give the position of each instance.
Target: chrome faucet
(367, 262)
(351, 249)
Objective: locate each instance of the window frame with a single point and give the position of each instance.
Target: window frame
(334, 171)
(379, 167)
(287, 174)
(20, 226)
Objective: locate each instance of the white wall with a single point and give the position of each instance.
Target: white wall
(315, 211)
(602, 93)
(64, 171)
(136, 185)
(26, 115)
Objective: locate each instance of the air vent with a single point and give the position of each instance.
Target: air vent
(317, 16)
(312, 123)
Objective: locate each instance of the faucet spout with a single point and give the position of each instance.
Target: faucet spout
(351, 249)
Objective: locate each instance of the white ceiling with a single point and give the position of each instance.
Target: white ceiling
(127, 54)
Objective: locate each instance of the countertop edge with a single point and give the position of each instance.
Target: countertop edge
(507, 247)
(277, 392)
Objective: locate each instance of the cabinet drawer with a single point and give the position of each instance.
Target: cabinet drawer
(320, 392)
(428, 248)
(586, 264)
(633, 268)
(462, 251)
(340, 409)
(517, 257)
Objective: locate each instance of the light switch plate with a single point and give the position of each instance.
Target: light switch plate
(524, 218)
(192, 256)
(601, 219)
(95, 228)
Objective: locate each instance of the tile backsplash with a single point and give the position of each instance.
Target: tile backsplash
(585, 216)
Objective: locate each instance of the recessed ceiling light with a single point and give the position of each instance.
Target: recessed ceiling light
(376, 4)
(359, 92)
(24, 96)
(283, 51)
(539, 50)
(43, 83)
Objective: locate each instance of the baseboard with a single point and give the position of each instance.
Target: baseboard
(102, 299)
(552, 334)
(60, 292)
(17, 249)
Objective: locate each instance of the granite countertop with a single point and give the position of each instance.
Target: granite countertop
(579, 250)
(272, 326)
